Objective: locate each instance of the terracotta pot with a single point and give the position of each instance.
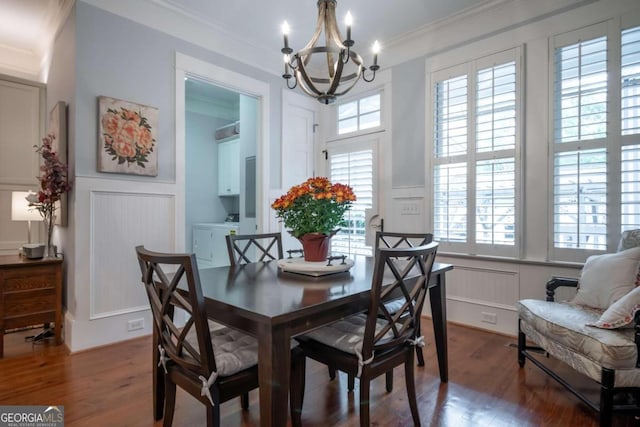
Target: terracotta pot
(315, 246)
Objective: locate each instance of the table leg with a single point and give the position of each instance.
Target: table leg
(274, 366)
(158, 380)
(437, 299)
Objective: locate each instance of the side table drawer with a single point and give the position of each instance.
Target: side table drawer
(35, 301)
(37, 278)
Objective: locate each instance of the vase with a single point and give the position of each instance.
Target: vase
(49, 248)
(315, 246)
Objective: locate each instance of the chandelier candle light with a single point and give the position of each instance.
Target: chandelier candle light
(338, 53)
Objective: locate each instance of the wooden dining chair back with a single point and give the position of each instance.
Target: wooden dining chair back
(210, 362)
(387, 239)
(246, 248)
(369, 344)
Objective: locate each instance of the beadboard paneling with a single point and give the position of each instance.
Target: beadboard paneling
(121, 221)
(484, 285)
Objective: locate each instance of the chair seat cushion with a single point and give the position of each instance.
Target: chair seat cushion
(234, 351)
(346, 334)
(394, 305)
(566, 324)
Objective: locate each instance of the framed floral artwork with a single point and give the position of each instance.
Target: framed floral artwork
(127, 137)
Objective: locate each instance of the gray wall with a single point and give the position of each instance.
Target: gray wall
(122, 59)
(407, 114)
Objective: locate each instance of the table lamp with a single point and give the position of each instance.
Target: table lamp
(21, 211)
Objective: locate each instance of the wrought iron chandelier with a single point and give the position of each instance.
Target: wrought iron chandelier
(337, 56)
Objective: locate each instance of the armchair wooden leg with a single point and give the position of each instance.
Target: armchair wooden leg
(522, 340)
(606, 397)
(244, 401)
(351, 382)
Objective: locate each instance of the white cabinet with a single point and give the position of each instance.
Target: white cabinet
(209, 243)
(229, 168)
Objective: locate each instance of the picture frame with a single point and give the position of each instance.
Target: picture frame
(127, 137)
(57, 126)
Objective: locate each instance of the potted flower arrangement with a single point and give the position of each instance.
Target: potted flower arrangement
(53, 184)
(312, 211)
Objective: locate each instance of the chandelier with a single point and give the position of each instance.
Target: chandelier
(326, 72)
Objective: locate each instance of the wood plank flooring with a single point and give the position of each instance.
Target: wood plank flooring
(111, 386)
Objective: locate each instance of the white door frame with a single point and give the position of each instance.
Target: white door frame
(188, 66)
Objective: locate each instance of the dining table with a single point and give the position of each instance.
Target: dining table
(275, 305)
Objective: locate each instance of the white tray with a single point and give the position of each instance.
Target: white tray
(308, 268)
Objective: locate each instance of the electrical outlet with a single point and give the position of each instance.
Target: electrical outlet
(489, 317)
(135, 324)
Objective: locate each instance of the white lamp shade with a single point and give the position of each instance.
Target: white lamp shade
(20, 210)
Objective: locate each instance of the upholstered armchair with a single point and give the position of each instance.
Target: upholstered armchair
(597, 333)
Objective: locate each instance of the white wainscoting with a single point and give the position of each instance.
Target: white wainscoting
(484, 293)
(121, 221)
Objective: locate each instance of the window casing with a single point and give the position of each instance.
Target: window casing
(475, 157)
(595, 152)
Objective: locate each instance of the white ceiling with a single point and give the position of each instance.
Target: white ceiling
(26, 25)
(258, 22)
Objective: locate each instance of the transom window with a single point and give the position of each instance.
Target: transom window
(360, 114)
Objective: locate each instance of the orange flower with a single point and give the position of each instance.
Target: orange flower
(314, 206)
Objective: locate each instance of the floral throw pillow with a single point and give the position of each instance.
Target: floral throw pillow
(607, 278)
(630, 239)
(621, 312)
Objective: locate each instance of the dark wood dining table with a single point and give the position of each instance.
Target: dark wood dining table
(275, 306)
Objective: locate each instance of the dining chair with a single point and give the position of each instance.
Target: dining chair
(390, 239)
(370, 344)
(387, 239)
(246, 248)
(211, 362)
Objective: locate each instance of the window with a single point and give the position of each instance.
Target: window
(476, 141)
(361, 114)
(596, 156)
(354, 168)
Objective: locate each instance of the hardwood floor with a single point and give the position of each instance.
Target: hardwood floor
(111, 386)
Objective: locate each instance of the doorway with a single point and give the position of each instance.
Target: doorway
(220, 178)
(199, 197)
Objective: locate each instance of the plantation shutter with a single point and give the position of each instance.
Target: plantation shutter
(354, 168)
(580, 141)
(630, 81)
(495, 147)
(630, 126)
(450, 179)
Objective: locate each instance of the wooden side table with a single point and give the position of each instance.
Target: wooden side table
(30, 293)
